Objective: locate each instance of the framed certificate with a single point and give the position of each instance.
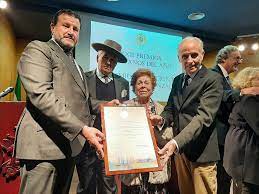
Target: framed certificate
(130, 145)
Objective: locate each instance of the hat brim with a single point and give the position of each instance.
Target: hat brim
(100, 46)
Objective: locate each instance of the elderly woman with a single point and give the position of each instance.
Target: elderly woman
(143, 83)
(241, 159)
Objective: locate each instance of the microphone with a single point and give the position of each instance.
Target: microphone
(6, 91)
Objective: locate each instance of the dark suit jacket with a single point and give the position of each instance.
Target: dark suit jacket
(57, 105)
(241, 159)
(230, 96)
(121, 90)
(193, 111)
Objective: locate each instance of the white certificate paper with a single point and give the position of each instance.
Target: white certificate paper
(130, 145)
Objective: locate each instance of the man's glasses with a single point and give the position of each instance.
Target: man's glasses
(239, 59)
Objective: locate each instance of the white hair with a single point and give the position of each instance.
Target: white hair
(191, 38)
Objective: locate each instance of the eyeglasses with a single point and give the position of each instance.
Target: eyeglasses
(240, 59)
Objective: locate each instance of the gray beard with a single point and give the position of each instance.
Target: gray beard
(64, 47)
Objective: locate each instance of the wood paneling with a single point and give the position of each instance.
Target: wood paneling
(20, 45)
(7, 56)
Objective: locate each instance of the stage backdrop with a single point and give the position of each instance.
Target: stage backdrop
(144, 46)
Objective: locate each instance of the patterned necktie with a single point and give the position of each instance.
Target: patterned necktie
(70, 56)
(186, 79)
(106, 79)
(228, 80)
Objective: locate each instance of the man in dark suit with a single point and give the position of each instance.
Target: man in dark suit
(227, 61)
(56, 121)
(103, 84)
(192, 105)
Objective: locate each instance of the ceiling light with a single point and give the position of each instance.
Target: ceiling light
(112, 0)
(241, 47)
(196, 16)
(255, 46)
(3, 4)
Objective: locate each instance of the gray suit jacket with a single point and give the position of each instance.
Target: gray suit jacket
(57, 105)
(193, 111)
(121, 85)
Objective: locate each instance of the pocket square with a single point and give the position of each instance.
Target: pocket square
(124, 93)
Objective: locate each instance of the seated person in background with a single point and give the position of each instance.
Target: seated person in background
(143, 82)
(241, 161)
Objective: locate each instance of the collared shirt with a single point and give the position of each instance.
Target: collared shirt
(225, 74)
(101, 76)
(191, 76)
(189, 81)
(77, 67)
(224, 71)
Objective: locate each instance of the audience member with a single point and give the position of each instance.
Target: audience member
(241, 158)
(227, 61)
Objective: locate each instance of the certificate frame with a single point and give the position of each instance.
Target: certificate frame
(113, 163)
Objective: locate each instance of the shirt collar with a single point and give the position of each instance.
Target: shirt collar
(60, 46)
(78, 69)
(100, 76)
(193, 75)
(224, 71)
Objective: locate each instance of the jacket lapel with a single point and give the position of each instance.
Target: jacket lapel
(226, 84)
(71, 67)
(118, 86)
(180, 90)
(195, 83)
(217, 69)
(92, 83)
(84, 80)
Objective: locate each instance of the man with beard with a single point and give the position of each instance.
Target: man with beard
(56, 120)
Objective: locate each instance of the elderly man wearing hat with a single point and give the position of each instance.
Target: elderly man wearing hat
(103, 84)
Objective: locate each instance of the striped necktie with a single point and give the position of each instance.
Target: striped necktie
(70, 55)
(228, 80)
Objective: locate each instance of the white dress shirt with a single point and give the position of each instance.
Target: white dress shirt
(101, 76)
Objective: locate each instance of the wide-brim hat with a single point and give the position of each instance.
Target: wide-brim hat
(112, 47)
